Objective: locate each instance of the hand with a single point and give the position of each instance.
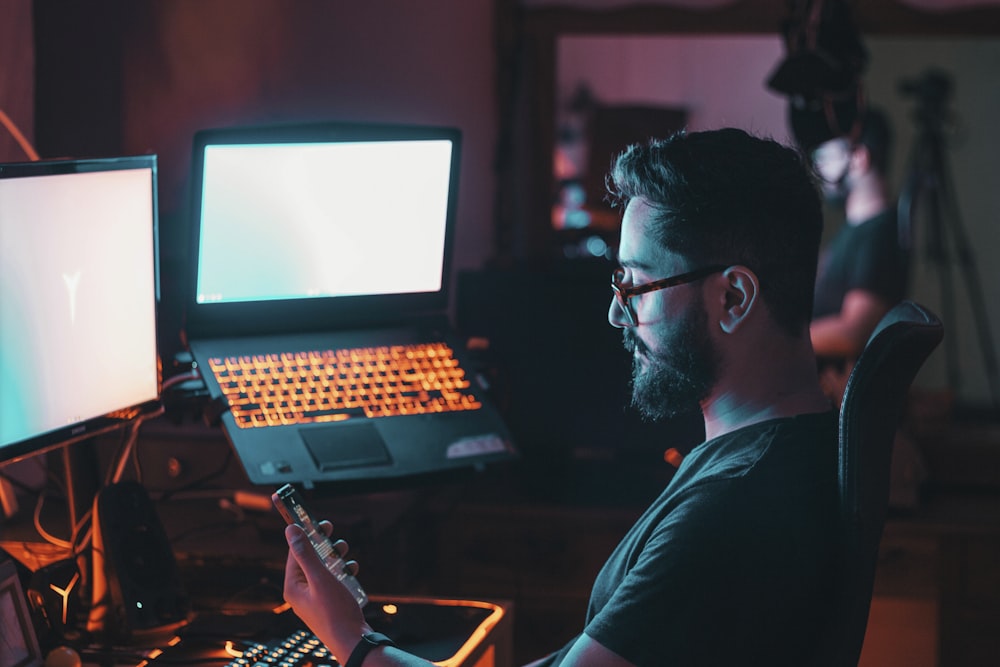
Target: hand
(316, 597)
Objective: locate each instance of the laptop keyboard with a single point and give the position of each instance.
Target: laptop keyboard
(335, 385)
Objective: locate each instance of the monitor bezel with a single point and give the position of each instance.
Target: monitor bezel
(126, 414)
(211, 319)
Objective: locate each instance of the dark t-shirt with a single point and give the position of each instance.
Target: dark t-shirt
(864, 256)
(735, 562)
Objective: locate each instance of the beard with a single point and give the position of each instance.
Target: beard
(674, 380)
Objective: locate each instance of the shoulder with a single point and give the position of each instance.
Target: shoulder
(774, 442)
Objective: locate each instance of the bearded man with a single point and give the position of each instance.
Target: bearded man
(736, 562)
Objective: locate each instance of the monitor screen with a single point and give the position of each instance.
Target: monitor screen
(78, 296)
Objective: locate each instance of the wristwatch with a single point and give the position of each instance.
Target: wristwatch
(369, 640)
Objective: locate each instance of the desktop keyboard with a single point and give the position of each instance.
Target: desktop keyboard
(299, 649)
(335, 385)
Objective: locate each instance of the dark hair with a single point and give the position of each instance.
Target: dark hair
(727, 197)
(876, 136)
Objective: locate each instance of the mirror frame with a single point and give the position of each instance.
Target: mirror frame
(527, 42)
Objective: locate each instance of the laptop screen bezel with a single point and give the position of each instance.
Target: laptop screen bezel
(207, 320)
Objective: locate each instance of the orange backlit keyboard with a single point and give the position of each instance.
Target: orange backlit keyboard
(334, 385)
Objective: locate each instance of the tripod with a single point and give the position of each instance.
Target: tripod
(928, 180)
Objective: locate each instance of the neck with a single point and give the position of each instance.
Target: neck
(869, 196)
(780, 381)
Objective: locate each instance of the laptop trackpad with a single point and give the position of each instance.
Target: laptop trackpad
(345, 446)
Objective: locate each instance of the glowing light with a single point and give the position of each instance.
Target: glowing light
(596, 246)
(390, 609)
(231, 649)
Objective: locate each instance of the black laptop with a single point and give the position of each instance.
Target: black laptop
(317, 311)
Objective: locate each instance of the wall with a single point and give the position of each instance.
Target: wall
(17, 71)
(196, 64)
(971, 163)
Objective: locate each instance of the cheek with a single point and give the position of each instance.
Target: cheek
(654, 340)
(649, 309)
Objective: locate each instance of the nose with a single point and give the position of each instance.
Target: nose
(616, 314)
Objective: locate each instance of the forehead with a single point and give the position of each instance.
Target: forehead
(637, 248)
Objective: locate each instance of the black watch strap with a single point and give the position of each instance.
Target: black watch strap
(368, 641)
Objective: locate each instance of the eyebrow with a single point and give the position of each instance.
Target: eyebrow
(636, 264)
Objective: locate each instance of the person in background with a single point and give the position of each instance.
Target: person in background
(735, 563)
(862, 271)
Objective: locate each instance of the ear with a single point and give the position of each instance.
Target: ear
(740, 297)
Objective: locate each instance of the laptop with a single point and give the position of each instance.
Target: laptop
(321, 258)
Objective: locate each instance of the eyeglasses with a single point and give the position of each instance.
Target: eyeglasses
(625, 294)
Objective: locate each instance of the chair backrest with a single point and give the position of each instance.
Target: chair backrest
(870, 413)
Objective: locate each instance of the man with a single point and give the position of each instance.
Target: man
(863, 270)
(735, 562)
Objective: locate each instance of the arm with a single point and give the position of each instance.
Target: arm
(587, 652)
(844, 334)
(328, 609)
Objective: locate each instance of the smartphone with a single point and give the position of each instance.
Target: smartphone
(288, 502)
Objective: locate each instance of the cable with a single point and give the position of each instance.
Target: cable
(82, 532)
(129, 447)
(177, 379)
(46, 535)
(26, 146)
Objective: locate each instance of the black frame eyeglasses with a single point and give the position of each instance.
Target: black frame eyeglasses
(624, 294)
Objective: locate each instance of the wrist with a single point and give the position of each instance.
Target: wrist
(369, 641)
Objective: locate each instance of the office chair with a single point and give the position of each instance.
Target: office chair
(871, 410)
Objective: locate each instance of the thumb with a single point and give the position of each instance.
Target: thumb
(302, 550)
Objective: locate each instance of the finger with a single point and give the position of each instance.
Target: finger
(351, 567)
(326, 527)
(341, 547)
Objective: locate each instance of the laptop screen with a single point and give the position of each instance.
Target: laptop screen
(323, 219)
(323, 223)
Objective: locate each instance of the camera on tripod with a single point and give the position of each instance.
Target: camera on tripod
(933, 87)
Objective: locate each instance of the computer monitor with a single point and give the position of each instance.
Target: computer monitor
(78, 294)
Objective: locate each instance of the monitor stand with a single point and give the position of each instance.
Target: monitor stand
(76, 465)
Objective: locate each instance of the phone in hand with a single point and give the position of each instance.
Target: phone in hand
(288, 502)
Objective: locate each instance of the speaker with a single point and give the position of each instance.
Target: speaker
(136, 592)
